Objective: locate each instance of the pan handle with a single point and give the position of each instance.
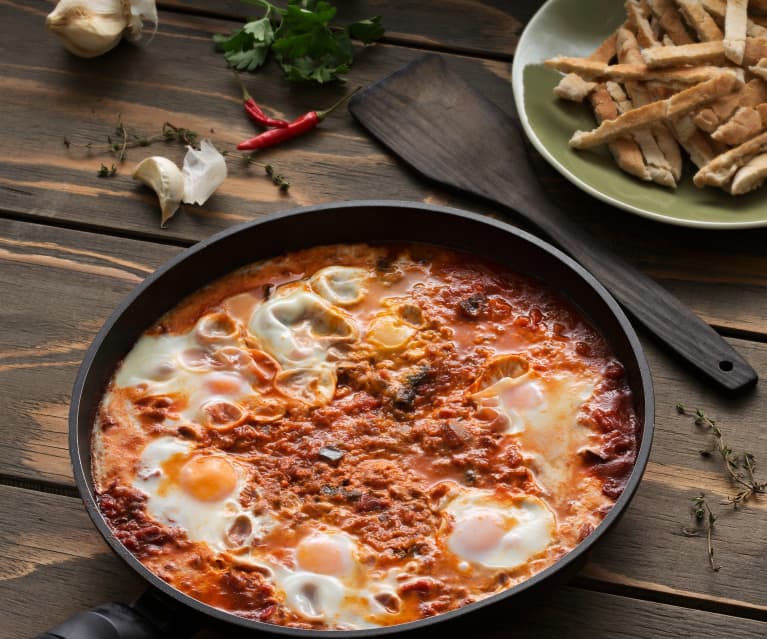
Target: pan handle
(151, 616)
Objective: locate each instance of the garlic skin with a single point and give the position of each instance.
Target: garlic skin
(203, 171)
(141, 10)
(166, 179)
(89, 28)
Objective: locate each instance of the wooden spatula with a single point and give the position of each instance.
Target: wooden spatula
(444, 129)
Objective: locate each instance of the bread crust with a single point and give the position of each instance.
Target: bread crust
(700, 20)
(677, 105)
(720, 170)
(744, 124)
(750, 176)
(735, 30)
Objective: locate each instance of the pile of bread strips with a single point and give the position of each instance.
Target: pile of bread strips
(679, 73)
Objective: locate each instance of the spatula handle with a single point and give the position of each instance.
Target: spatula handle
(652, 305)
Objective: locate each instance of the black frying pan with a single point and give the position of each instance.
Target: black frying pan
(164, 611)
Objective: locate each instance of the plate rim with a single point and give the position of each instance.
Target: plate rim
(518, 89)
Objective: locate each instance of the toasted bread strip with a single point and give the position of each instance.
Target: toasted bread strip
(628, 52)
(638, 21)
(700, 20)
(685, 131)
(756, 49)
(735, 30)
(605, 51)
(624, 150)
(720, 170)
(657, 165)
(750, 176)
(702, 53)
(760, 69)
(670, 21)
(745, 123)
(716, 9)
(699, 148)
(718, 112)
(756, 26)
(673, 107)
(571, 89)
(592, 70)
(698, 53)
(574, 88)
(754, 30)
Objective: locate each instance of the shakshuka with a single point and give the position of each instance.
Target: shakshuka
(362, 435)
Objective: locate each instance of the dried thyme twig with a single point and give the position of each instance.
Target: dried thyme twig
(168, 133)
(740, 469)
(703, 515)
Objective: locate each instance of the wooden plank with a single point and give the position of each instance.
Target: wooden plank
(72, 281)
(722, 276)
(494, 29)
(152, 85)
(55, 564)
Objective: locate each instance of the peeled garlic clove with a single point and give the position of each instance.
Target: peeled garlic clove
(89, 28)
(166, 179)
(204, 171)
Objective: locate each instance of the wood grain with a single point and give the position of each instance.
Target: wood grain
(54, 564)
(722, 276)
(494, 31)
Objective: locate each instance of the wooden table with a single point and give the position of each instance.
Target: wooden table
(73, 244)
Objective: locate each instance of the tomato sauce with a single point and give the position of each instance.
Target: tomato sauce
(404, 430)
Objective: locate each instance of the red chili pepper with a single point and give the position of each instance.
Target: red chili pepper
(299, 126)
(255, 112)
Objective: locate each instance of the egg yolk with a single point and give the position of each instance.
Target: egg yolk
(224, 384)
(478, 533)
(522, 396)
(389, 332)
(208, 478)
(322, 555)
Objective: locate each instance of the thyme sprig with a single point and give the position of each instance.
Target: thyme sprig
(169, 133)
(704, 516)
(107, 171)
(739, 468)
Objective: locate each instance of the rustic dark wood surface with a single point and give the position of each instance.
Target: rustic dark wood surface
(72, 244)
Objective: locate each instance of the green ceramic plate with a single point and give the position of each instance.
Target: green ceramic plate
(576, 28)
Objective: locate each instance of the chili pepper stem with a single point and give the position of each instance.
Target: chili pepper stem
(321, 115)
(245, 95)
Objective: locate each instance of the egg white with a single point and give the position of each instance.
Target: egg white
(498, 531)
(202, 520)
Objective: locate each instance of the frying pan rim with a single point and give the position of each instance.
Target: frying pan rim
(644, 381)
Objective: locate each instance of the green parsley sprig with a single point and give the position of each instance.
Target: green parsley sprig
(301, 39)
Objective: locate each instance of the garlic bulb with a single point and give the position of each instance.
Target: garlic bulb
(204, 171)
(166, 179)
(89, 28)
